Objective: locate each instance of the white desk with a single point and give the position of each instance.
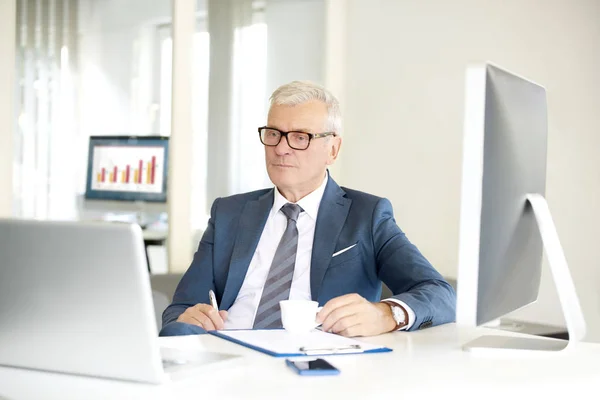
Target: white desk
(424, 364)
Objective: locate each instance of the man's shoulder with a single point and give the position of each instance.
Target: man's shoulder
(361, 197)
(367, 204)
(238, 200)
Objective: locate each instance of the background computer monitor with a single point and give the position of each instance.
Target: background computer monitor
(505, 223)
(127, 168)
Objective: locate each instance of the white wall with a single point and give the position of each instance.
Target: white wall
(404, 108)
(295, 44)
(7, 88)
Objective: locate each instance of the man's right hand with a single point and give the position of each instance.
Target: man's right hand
(204, 316)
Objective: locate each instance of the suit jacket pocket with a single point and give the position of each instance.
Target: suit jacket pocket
(346, 255)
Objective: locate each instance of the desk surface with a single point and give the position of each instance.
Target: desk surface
(155, 234)
(424, 364)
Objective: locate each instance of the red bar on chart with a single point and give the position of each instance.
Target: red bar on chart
(140, 174)
(103, 174)
(153, 170)
(127, 174)
(115, 174)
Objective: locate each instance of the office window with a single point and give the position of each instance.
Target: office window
(119, 67)
(84, 68)
(45, 125)
(249, 103)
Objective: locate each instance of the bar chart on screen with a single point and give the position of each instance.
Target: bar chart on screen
(128, 169)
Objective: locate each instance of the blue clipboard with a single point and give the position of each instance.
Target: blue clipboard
(261, 340)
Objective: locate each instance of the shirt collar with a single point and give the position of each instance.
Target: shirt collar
(309, 203)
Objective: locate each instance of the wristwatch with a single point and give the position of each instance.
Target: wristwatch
(399, 313)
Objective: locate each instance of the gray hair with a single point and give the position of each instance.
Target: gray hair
(299, 92)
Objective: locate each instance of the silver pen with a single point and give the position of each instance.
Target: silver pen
(353, 348)
(213, 300)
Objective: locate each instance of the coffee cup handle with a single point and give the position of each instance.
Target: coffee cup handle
(316, 323)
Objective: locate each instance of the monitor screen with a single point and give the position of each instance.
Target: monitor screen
(127, 168)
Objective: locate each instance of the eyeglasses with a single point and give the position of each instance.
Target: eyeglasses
(296, 140)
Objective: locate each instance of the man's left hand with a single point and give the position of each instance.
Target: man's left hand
(352, 315)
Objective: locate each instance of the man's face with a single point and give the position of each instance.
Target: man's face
(300, 170)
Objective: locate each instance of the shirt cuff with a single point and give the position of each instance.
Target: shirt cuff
(409, 311)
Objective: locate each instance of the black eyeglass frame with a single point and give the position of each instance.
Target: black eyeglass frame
(311, 136)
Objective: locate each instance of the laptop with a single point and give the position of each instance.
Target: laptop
(75, 297)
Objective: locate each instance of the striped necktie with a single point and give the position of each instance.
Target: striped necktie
(279, 281)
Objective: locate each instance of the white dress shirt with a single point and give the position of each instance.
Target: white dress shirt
(242, 312)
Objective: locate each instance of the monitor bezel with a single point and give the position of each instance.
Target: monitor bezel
(133, 141)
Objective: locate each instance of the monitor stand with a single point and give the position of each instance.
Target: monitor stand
(564, 286)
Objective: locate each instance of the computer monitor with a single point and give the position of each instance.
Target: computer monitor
(127, 168)
(505, 223)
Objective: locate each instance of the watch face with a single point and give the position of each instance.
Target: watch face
(398, 314)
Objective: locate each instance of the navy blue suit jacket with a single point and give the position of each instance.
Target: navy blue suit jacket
(346, 217)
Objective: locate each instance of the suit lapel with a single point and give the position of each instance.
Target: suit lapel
(252, 222)
(333, 211)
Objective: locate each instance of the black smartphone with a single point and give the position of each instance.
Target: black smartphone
(316, 366)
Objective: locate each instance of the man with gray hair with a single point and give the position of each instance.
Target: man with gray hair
(307, 239)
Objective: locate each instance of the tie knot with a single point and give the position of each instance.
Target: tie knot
(291, 211)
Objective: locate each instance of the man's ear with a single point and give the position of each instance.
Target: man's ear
(334, 149)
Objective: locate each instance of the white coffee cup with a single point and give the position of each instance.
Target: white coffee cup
(299, 316)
